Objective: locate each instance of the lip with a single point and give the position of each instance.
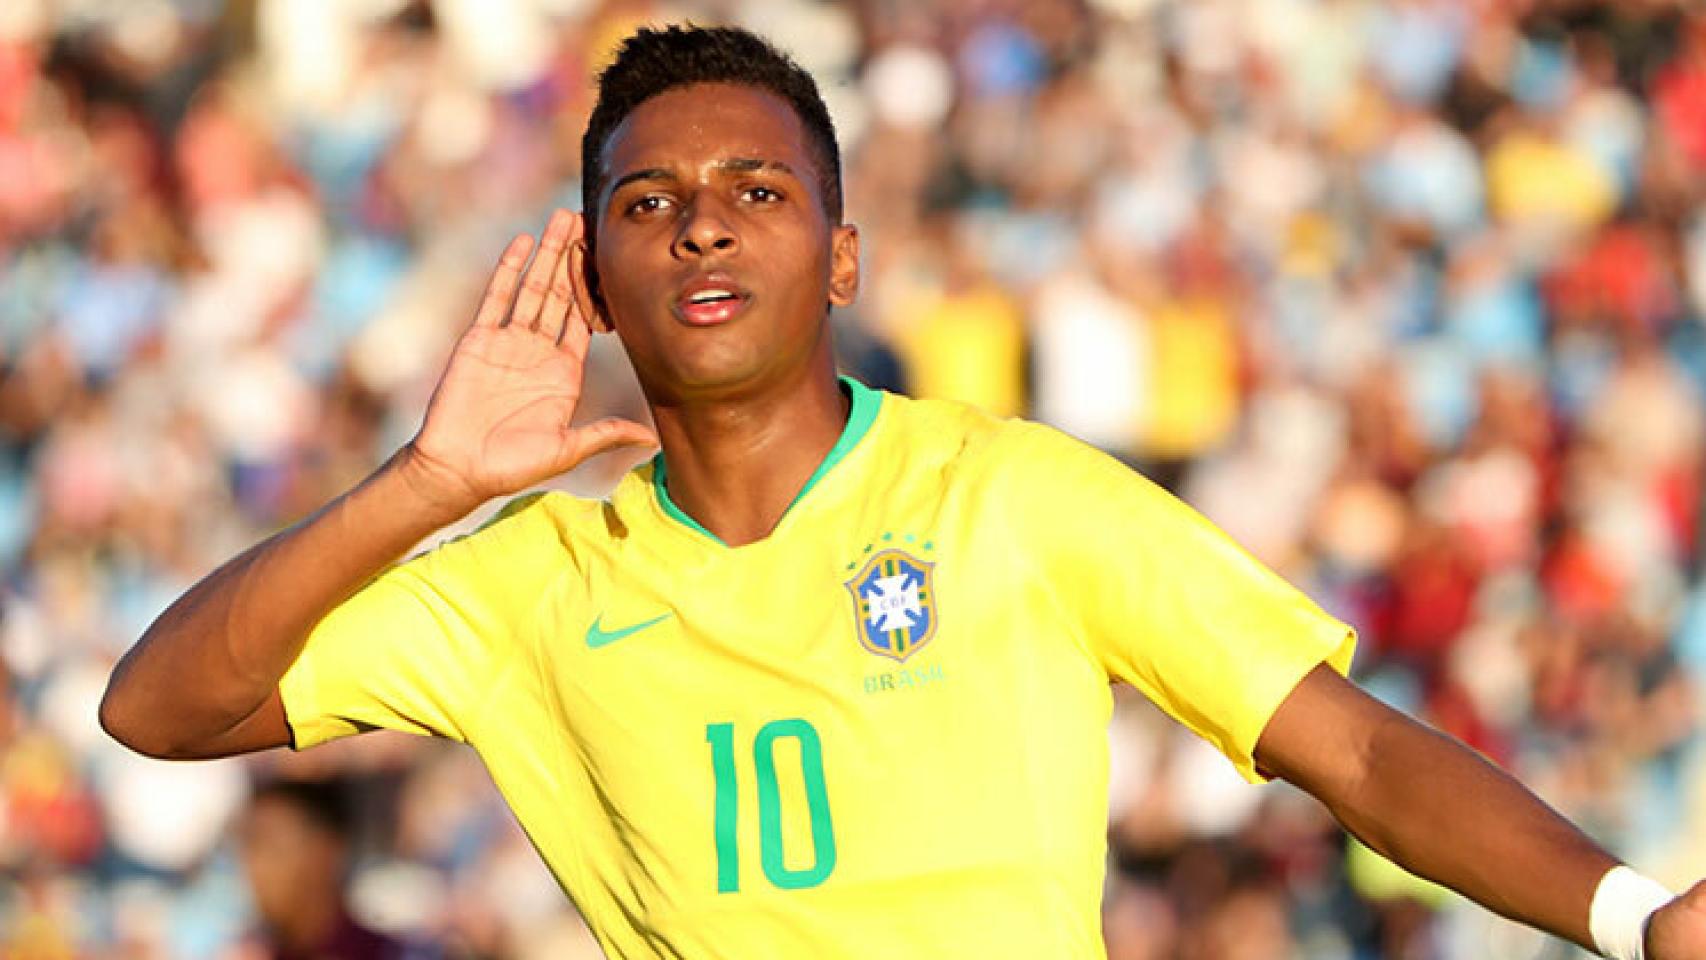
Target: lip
(715, 312)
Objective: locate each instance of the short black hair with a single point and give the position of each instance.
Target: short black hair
(654, 61)
(325, 803)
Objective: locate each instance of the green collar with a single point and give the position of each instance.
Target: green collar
(863, 411)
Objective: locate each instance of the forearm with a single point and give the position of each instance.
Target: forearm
(216, 655)
(1444, 813)
(203, 680)
(1434, 807)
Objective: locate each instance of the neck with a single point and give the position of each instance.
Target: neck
(736, 464)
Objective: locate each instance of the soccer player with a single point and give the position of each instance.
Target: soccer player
(828, 677)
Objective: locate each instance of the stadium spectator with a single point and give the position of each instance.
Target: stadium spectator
(294, 841)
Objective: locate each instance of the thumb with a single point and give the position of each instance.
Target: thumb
(608, 434)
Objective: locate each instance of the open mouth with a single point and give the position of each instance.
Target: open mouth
(711, 301)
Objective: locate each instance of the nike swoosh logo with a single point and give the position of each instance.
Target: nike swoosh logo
(597, 636)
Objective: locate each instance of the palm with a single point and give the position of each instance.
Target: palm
(501, 413)
(499, 420)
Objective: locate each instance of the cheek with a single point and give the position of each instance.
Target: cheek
(273, 876)
(815, 291)
(623, 271)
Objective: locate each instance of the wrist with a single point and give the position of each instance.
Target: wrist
(1623, 903)
(436, 491)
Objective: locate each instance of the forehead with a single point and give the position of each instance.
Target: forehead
(703, 123)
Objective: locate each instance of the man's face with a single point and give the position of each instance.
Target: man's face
(293, 864)
(715, 258)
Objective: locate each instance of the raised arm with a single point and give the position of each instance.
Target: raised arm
(1431, 805)
(203, 680)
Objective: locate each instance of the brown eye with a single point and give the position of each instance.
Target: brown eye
(650, 203)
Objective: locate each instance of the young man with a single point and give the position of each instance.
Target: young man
(829, 676)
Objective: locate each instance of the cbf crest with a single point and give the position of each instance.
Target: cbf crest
(894, 599)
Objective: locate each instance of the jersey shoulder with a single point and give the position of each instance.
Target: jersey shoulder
(545, 509)
(936, 428)
(931, 432)
(543, 522)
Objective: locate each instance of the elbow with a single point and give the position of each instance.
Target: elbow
(167, 725)
(113, 720)
(121, 722)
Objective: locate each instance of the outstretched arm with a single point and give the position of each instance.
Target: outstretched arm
(1434, 807)
(203, 680)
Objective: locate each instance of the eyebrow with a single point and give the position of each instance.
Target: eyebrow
(651, 173)
(731, 165)
(753, 164)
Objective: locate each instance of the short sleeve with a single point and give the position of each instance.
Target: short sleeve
(1161, 598)
(419, 648)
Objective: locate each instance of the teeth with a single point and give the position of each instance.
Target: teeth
(710, 296)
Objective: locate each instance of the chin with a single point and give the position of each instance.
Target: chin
(712, 373)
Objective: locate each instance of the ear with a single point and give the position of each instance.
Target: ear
(588, 301)
(843, 265)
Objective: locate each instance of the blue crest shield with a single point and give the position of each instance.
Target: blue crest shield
(894, 602)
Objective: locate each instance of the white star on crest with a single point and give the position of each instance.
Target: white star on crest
(894, 603)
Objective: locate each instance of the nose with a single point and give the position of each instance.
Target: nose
(704, 231)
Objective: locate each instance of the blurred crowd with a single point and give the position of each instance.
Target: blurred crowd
(1408, 295)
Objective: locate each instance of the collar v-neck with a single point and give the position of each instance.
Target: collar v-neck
(862, 412)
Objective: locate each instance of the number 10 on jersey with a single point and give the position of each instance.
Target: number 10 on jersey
(721, 737)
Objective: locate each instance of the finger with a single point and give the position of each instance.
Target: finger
(559, 307)
(494, 304)
(536, 285)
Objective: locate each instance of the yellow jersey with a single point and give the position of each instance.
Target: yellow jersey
(879, 731)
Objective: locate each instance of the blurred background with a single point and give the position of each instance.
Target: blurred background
(1406, 294)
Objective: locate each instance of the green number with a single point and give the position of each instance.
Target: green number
(770, 805)
(721, 738)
